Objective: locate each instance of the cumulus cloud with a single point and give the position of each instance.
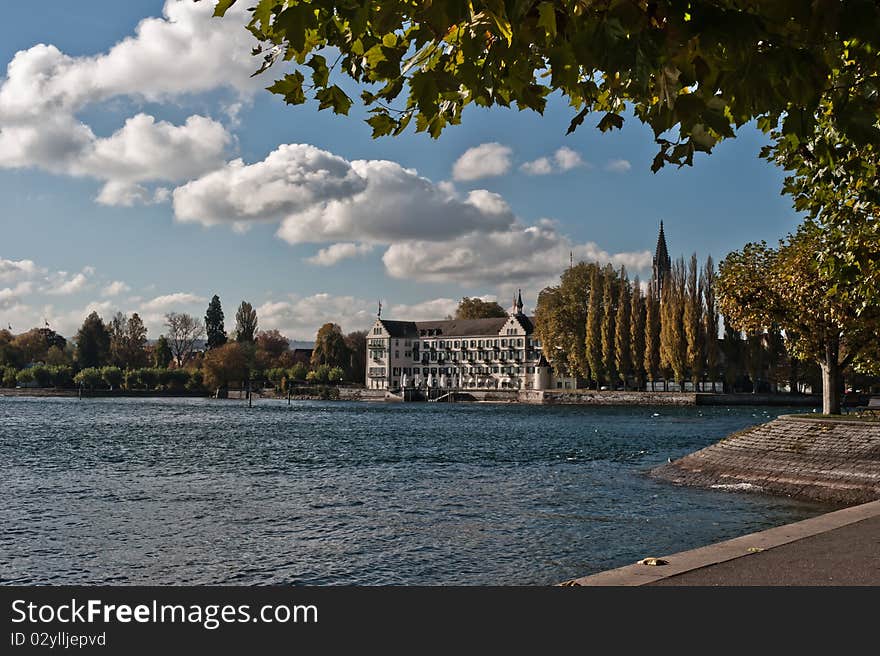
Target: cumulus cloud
(567, 159)
(64, 284)
(300, 317)
(338, 252)
(540, 166)
(320, 197)
(438, 308)
(185, 51)
(44, 89)
(484, 161)
(11, 297)
(115, 288)
(564, 159)
(11, 270)
(172, 302)
(522, 254)
(618, 166)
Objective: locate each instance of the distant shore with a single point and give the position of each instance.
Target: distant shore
(533, 397)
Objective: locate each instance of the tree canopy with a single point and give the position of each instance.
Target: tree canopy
(761, 289)
(693, 71)
(477, 308)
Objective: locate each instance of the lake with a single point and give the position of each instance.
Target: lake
(199, 491)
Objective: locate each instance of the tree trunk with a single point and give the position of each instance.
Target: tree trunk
(831, 379)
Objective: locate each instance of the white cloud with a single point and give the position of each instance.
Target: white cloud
(618, 166)
(540, 166)
(438, 308)
(170, 302)
(63, 284)
(338, 252)
(11, 270)
(567, 159)
(564, 159)
(11, 297)
(521, 255)
(321, 197)
(115, 288)
(185, 51)
(44, 89)
(300, 317)
(483, 161)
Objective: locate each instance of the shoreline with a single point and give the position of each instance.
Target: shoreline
(525, 397)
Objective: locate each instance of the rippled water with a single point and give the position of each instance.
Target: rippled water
(192, 491)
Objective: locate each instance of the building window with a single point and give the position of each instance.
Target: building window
(396, 355)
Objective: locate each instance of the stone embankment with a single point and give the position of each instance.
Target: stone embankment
(592, 397)
(828, 460)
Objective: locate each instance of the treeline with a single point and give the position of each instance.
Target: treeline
(191, 354)
(605, 329)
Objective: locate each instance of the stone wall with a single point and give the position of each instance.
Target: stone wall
(591, 397)
(829, 460)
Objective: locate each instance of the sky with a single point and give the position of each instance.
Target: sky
(143, 169)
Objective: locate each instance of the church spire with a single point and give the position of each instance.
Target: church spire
(662, 263)
(519, 303)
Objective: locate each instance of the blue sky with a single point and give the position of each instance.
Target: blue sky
(120, 189)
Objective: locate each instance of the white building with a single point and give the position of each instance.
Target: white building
(464, 354)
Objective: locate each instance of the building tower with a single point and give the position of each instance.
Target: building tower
(662, 263)
(517, 308)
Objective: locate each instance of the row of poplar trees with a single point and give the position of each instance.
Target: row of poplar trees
(601, 326)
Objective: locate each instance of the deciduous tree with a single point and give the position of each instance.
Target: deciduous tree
(183, 332)
(760, 287)
(477, 308)
(245, 323)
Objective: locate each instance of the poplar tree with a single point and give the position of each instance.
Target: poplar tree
(594, 321)
(693, 321)
(637, 333)
(622, 329)
(710, 320)
(608, 311)
(673, 343)
(652, 334)
(245, 323)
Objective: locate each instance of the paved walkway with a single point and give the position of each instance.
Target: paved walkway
(839, 548)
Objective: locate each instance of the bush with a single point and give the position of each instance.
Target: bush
(298, 372)
(276, 376)
(24, 377)
(61, 376)
(149, 377)
(176, 379)
(133, 379)
(112, 377)
(89, 377)
(335, 375)
(8, 376)
(196, 381)
(42, 375)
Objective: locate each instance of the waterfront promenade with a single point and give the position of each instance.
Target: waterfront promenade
(840, 548)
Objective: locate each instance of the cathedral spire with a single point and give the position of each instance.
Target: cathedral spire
(519, 303)
(662, 263)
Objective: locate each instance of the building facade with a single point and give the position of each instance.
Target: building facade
(499, 353)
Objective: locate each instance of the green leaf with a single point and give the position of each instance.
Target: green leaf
(291, 88)
(547, 17)
(321, 74)
(382, 125)
(335, 98)
(610, 121)
(222, 6)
